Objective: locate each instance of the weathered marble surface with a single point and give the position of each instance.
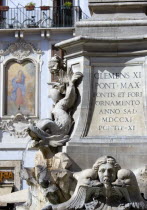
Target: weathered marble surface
(141, 175)
(110, 51)
(118, 100)
(55, 131)
(50, 181)
(16, 197)
(114, 19)
(113, 40)
(104, 186)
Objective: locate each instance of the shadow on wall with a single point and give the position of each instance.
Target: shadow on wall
(8, 207)
(0, 133)
(0, 136)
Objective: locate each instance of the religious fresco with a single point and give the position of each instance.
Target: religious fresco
(20, 88)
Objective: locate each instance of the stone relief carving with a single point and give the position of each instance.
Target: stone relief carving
(104, 186)
(55, 131)
(141, 175)
(20, 50)
(16, 126)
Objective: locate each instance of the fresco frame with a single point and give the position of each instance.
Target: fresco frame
(19, 52)
(5, 85)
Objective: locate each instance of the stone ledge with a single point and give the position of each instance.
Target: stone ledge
(16, 197)
(88, 38)
(116, 23)
(111, 1)
(109, 140)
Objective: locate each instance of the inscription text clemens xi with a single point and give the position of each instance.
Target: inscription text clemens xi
(118, 102)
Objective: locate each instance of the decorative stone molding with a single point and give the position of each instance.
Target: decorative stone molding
(14, 128)
(20, 50)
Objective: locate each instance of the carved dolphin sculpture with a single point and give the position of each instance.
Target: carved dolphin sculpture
(61, 123)
(129, 187)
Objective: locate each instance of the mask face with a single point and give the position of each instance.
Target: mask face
(107, 173)
(54, 68)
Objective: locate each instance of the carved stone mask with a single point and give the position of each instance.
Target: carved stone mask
(107, 173)
(54, 65)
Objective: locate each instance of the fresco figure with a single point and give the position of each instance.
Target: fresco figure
(19, 89)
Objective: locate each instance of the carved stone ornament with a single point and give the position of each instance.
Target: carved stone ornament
(50, 180)
(16, 126)
(55, 131)
(141, 175)
(104, 187)
(20, 50)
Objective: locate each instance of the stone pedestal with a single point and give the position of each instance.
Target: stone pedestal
(110, 49)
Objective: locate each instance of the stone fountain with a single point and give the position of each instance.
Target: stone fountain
(100, 115)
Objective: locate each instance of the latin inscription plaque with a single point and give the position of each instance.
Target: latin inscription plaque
(118, 101)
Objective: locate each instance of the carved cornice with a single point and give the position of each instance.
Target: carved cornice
(20, 50)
